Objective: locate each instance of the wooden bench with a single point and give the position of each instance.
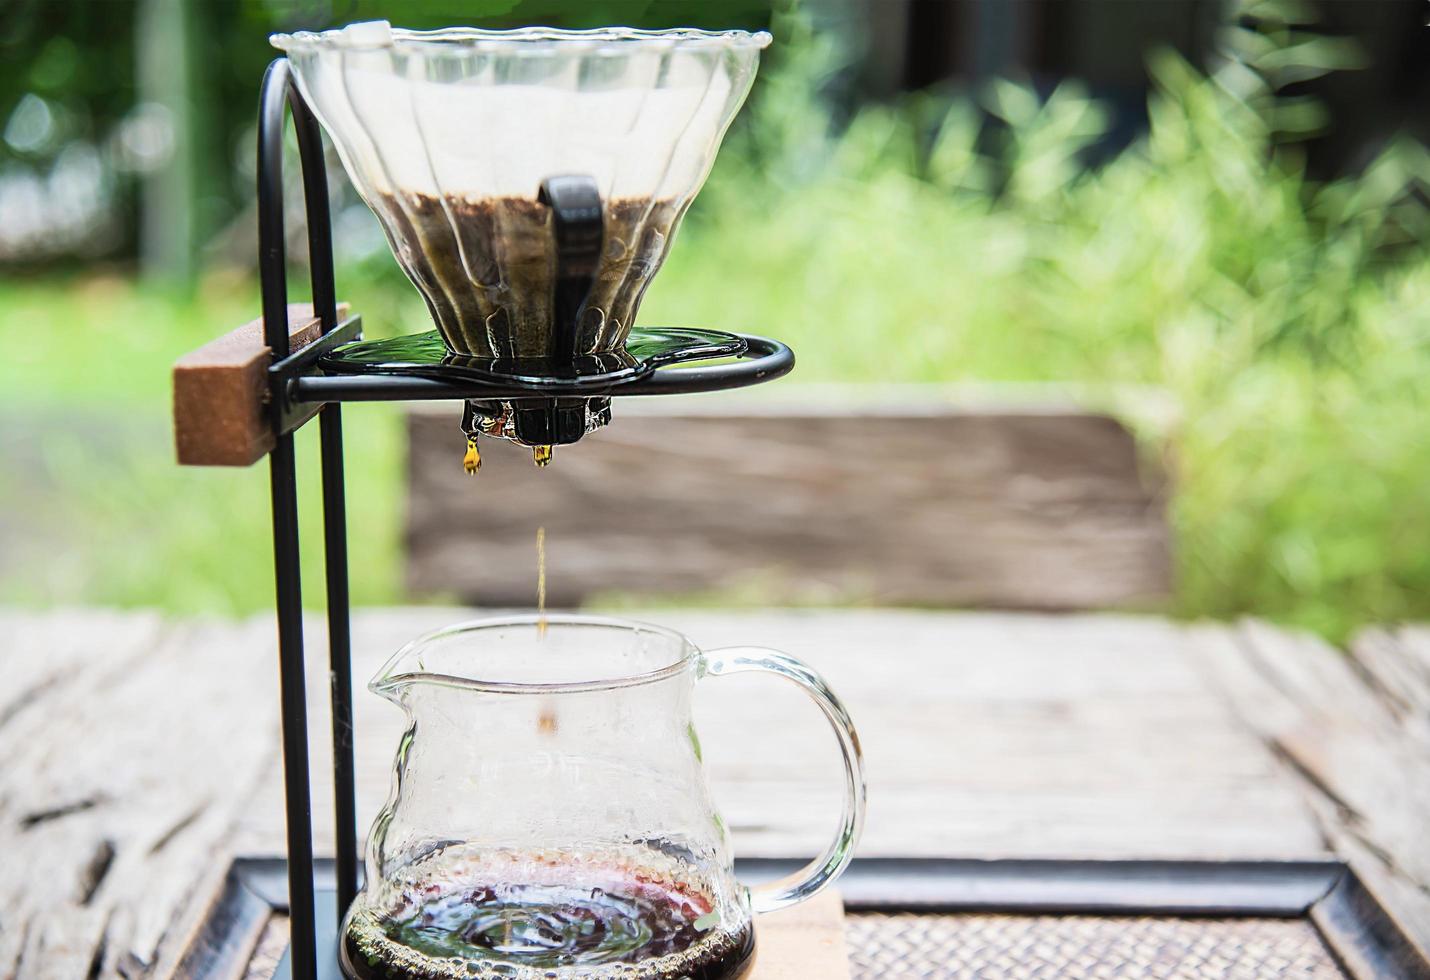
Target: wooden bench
(1014, 498)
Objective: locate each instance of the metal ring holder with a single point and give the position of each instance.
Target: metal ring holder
(304, 380)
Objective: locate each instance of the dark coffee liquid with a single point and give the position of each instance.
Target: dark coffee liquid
(493, 920)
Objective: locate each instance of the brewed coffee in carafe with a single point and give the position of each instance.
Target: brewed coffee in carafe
(629, 914)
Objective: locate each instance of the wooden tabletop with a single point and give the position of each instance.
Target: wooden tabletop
(141, 753)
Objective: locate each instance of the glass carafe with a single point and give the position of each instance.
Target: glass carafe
(549, 816)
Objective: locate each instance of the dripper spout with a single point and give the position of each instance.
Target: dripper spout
(533, 424)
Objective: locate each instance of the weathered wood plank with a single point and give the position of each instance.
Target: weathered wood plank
(1415, 642)
(1397, 666)
(924, 503)
(51, 666)
(986, 735)
(1363, 766)
(121, 782)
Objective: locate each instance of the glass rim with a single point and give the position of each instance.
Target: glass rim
(388, 679)
(522, 40)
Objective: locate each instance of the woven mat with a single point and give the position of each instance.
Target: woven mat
(1015, 947)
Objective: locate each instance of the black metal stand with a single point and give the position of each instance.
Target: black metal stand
(297, 382)
(278, 92)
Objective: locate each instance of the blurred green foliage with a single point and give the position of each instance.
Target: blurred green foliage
(923, 241)
(1289, 320)
(75, 64)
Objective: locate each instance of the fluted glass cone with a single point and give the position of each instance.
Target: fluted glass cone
(448, 135)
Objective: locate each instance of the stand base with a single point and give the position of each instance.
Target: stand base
(946, 917)
(326, 905)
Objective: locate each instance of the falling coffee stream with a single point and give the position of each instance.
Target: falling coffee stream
(541, 581)
(546, 722)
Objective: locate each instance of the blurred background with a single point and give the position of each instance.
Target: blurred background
(1221, 200)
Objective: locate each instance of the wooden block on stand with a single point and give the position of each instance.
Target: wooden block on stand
(221, 392)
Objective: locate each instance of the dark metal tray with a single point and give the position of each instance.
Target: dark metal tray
(944, 918)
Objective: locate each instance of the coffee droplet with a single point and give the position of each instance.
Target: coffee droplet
(546, 722)
(473, 460)
(541, 455)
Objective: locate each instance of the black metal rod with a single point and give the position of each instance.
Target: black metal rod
(766, 360)
(335, 551)
(298, 802)
(335, 533)
(272, 274)
(315, 204)
(772, 360)
(286, 572)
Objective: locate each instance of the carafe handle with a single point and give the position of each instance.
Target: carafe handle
(813, 877)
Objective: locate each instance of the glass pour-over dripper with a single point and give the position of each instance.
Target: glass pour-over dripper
(449, 136)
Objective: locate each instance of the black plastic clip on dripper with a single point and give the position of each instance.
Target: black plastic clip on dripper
(578, 227)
